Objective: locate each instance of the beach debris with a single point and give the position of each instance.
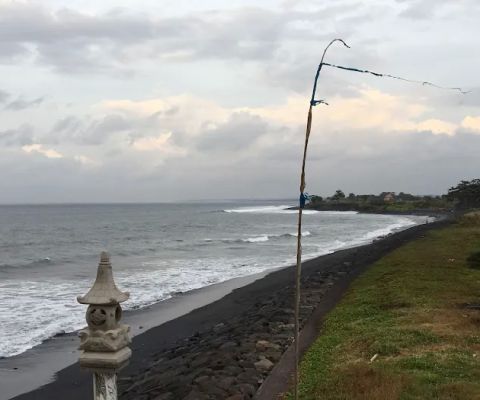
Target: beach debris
(104, 343)
(374, 358)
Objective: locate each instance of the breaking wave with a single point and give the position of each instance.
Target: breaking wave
(285, 209)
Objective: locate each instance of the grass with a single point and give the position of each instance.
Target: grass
(409, 310)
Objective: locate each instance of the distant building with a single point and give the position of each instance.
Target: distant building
(389, 197)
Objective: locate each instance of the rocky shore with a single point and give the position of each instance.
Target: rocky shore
(226, 349)
(231, 359)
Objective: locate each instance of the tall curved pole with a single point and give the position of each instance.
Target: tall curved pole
(298, 269)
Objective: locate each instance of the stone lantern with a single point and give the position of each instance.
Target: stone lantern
(104, 343)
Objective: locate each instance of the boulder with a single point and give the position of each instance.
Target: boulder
(264, 365)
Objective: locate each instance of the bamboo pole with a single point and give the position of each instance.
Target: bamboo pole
(313, 103)
(298, 269)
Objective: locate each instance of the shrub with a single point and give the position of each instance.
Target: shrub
(470, 219)
(473, 260)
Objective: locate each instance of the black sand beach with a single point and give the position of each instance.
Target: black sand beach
(227, 348)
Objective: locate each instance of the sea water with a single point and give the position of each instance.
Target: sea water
(49, 253)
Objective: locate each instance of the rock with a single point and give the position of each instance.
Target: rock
(273, 355)
(264, 365)
(203, 382)
(219, 327)
(245, 364)
(247, 389)
(232, 370)
(226, 383)
(250, 375)
(264, 345)
(286, 326)
(228, 345)
(165, 396)
(236, 397)
(215, 392)
(195, 395)
(218, 364)
(200, 361)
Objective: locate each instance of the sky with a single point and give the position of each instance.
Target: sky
(153, 101)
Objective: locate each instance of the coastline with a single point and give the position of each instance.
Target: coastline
(39, 365)
(218, 310)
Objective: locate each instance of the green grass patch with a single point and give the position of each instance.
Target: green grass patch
(411, 310)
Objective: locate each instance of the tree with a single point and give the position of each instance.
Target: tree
(338, 195)
(314, 199)
(466, 194)
(351, 196)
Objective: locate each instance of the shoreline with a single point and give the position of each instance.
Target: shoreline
(237, 298)
(181, 295)
(39, 365)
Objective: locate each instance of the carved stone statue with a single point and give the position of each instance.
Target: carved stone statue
(104, 343)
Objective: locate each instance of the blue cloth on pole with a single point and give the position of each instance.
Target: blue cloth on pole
(303, 200)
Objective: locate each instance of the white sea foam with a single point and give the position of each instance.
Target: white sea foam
(338, 212)
(256, 239)
(295, 234)
(402, 223)
(265, 238)
(285, 209)
(260, 210)
(58, 312)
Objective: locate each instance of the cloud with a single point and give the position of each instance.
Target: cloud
(368, 161)
(17, 137)
(185, 116)
(160, 144)
(471, 123)
(67, 39)
(436, 126)
(76, 42)
(87, 161)
(213, 99)
(38, 148)
(3, 96)
(428, 9)
(152, 143)
(238, 133)
(368, 108)
(88, 130)
(420, 9)
(21, 104)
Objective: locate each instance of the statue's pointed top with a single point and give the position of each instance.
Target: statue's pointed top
(104, 291)
(105, 257)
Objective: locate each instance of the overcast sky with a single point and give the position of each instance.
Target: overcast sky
(106, 101)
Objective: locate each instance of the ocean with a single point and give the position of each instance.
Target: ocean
(49, 253)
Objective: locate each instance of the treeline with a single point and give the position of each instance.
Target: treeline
(466, 195)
